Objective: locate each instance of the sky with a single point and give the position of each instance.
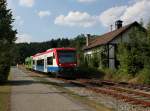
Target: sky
(42, 20)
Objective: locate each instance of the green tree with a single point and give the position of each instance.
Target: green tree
(145, 73)
(132, 55)
(148, 30)
(123, 57)
(95, 60)
(7, 38)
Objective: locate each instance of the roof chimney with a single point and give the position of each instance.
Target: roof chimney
(87, 39)
(118, 24)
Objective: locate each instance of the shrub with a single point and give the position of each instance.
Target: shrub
(109, 74)
(144, 76)
(4, 71)
(89, 72)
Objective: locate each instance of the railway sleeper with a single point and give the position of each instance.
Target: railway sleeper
(124, 98)
(132, 92)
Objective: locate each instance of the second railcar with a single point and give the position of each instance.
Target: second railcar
(29, 63)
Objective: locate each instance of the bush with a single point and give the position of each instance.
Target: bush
(89, 72)
(4, 72)
(109, 73)
(5, 63)
(123, 77)
(144, 76)
(132, 56)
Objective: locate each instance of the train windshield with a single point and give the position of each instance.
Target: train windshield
(67, 56)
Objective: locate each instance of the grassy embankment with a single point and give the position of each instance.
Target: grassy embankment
(5, 91)
(142, 77)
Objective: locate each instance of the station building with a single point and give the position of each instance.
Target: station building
(106, 45)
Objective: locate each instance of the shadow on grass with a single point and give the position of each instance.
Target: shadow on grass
(90, 73)
(17, 82)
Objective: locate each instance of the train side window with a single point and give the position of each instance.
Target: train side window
(49, 60)
(40, 62)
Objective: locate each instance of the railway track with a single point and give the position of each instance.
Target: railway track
(117, 91)
(143, 87)
(121, 91)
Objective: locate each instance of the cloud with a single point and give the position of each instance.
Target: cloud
(23, 38)
(128, 13)
(137, 11)
(80, 19)
(111, 15)
(86, 1)
(42, 14)
(26, 3)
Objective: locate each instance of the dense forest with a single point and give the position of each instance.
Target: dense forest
(23, 50)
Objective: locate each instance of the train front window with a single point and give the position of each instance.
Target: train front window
(67, 56)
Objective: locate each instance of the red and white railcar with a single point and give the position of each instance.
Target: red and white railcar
(55, 60)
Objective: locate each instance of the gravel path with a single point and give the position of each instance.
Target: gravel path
(31, 95)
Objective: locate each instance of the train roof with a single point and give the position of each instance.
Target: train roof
(54, 49)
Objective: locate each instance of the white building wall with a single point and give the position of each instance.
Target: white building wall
(123, 37)
(88, 52)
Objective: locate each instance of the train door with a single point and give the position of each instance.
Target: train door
(54, 60)
(51, 63)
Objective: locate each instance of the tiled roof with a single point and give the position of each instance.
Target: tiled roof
(107, 37)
